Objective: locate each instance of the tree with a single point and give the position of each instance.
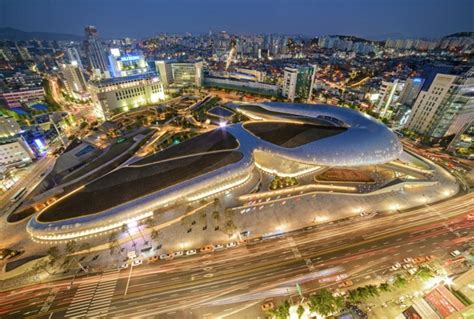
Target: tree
(54, 254)
(400, 281)
(216, 215)
(372, 290)
(281, 312)
(424, 273)
(300, 311)
(71, 247)
(324, 303)
(384, 287)
(155, 234)
(125, 229)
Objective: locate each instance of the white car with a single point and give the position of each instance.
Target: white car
(124, 266)
(177, 253)
(165, 256)
(455, 253)
(191, 252)
(407, 266)
(407, 260)
(137, 262)
(395, 266)
(412, 271)
(218, 246)
(231, 244)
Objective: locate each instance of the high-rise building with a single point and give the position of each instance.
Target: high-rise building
(187, 73)
(389, 94)
(411, 90)
(437, 108)
(127, 64)
(463, 130)
(74, 79)
(95, 52)
(298, 83)
(73, 57)
(163, 68)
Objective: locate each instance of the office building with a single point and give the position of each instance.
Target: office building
(74, 80)
(95, 52)
(15, 151)
(187, 73)
(73, 57)
(122, 65)
(163, 68)
(437, 108)
(8, 127)
(410, 91)
(389, 93)
(463, 130)
(298, 83)
(122, 94)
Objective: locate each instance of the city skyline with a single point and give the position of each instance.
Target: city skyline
(312, 18)
(285, 166)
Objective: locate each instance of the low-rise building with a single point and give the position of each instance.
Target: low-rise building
(15, 151)
(8, 127)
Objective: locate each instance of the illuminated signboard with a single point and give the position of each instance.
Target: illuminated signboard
(130, 58)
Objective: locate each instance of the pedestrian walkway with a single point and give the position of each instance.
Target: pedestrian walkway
(93, 299)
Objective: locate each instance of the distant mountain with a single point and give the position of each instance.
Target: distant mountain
(19, 35)
(466, 34)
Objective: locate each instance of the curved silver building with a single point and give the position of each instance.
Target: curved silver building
(282, 139)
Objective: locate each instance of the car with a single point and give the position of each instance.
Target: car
(231, 244)
(455, 253)
(124, 266)
(191, 252)
(177, 253)
(137, 262)
(267, 306)
(345, 284)
(419, 259)
(407, 266)
(218, 246)
(152, 259)
(207, 249)
(395, 266)
(407, 260)
(470, 216)
(165, 256)
(412, 271)
(333, 278)
(245, 233)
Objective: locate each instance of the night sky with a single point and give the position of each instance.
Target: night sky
(141, 18)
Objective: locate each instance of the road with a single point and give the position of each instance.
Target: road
(232, 283)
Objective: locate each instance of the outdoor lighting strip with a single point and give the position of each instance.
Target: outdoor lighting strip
(92, 231)
(222, 188)
(276, 172)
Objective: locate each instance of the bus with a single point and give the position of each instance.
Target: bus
(18, 195)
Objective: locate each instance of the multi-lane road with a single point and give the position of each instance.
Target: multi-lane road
(232, 283)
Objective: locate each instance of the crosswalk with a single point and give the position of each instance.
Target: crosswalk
(93, 299)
